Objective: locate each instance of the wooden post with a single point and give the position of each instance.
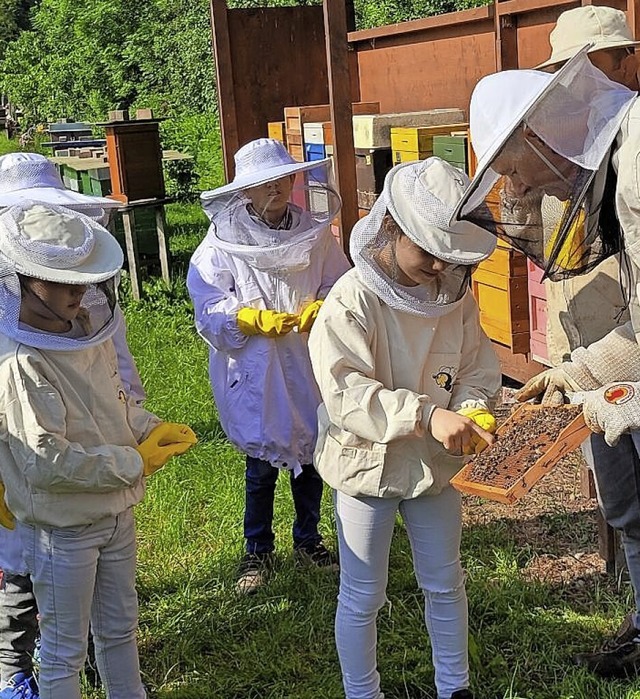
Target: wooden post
(224, 83)
(335, 26)
(506, 31)
(633, 18)
(162, 243)
(131, 242)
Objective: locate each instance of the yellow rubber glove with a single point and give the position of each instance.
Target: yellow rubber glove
(308, 316)
(484, 419)
(252, 321)
(166, 440)
(7, 520)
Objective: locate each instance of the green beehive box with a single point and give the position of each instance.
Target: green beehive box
(72, 179)
(453, 149)
(144, 223)
(96, 182)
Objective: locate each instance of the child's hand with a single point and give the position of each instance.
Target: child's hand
(308, 316)
(484, 419)
(7, 520)
(252, 321)
(456, 432)
(166, 440)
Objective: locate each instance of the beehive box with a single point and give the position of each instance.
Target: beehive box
(530, 443)
(416, 142)
(296, 117)
(275, 129)
(374, 131)
(452, 149)
(537, 314)
(500, 287)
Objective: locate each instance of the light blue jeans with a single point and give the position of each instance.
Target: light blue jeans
(365, 528)
(86, 575)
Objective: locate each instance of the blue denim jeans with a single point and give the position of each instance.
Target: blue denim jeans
(616, 473)
(86, 575)
(260, 488)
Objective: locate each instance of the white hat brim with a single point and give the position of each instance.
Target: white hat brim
(472, 243)
(488, 158)
(104, 261)
(262, 177)
(569, 53)
(56, 196)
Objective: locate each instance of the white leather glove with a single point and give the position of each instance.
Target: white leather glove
(551, 385)
(613, 410)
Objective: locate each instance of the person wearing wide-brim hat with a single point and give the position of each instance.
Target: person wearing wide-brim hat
(33, 177)
(398, 350)
(606, 31)
(257, 282)
(74, 449)
(586, 156)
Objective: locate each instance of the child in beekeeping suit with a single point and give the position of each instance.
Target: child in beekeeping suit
(74, 448)
(406, 376)
(398, 352)
(257, 282)
(31, 176)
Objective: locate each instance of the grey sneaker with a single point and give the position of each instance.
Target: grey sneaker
(618, 657)
(319, 556)
(252, 572)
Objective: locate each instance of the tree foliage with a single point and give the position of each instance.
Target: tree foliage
(81, 58)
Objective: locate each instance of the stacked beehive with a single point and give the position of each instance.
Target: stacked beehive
(417, 142)
(500, 287)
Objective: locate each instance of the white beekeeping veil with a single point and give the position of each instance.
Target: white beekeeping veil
(544, 145)
(238, 211)
(54, 244)
(418, 200)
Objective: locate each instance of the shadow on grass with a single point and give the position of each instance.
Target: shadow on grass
(209, 642)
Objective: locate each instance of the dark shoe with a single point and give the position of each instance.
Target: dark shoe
(618, 657)
(319, 556)
(252, 572)
(462, 694)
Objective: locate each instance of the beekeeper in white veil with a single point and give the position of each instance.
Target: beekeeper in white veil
(257, 282)
(397, 351)
(575, 136)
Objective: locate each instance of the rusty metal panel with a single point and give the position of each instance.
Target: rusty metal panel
(431, 69)
(266, 49)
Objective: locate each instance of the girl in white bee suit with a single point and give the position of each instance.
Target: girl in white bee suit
(32, 177)
(397, 350)
(571, 141)
(257, 282)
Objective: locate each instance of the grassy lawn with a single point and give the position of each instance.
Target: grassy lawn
(198, 640)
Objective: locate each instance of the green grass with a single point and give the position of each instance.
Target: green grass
(198, 640)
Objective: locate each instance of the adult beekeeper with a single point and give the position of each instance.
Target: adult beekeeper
(257, 282)
(557, 178)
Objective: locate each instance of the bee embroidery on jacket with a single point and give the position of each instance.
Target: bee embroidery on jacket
(444, 377)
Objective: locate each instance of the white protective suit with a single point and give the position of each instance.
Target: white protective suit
(373, 437)
(263, 388)
(68, 435)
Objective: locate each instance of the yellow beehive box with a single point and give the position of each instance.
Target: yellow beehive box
(275, 129)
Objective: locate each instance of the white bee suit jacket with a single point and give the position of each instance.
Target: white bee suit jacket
(381, 372)
(263, 387)
(68, 435)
